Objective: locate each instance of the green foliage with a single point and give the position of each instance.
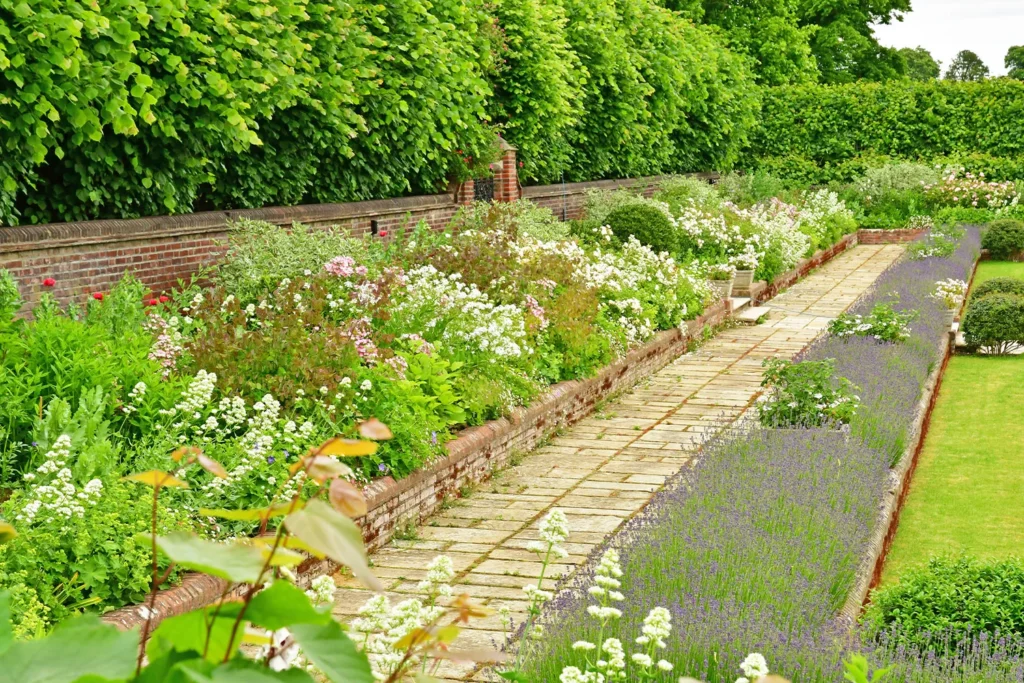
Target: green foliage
(10, 297)
(921, 66)
(883, 323)
(750, 188)
(679, 191)
(994, 323)
(967, 66)
(1014, 62)
(54, 569)
(805, 394)
(825, 127)
(933, 607)
(998, 285)
(538, 86)
(844, 44)
(1004, 239)
(647, 224)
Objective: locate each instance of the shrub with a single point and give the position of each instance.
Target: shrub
(805, 394)
(647, 224)
(750, 188)
(999, 285)
(994, 323)
(897, 177)
(1004, 239)
(679, 191)
(934, 606)
(883, 324)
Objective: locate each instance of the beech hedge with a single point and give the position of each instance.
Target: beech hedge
(831, 132)
(143, 107)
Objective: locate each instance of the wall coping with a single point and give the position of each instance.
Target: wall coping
(197, 590)
(55, 235)
(558, 189)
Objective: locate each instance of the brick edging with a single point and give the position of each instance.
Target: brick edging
(900, 236)
(478, 451)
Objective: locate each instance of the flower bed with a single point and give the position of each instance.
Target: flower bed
(760, 543)
(304, 335)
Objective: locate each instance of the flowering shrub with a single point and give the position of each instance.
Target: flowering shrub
(971, 190)
(951, 293)
(805, 394)
(883, 323)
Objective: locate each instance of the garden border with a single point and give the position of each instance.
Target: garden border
(869, 573)
(479, 451)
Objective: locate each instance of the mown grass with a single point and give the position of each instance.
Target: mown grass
(967, 493)
(992, 269)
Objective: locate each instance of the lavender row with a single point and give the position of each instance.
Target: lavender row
(756, 547)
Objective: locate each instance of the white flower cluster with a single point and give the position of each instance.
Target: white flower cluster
(950, 292)
(754, 667)
(321, 590)
(460, 315)
(53, 492)
(381, 625)
(820, 208)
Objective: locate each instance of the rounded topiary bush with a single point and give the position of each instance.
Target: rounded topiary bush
(995, 323)
(647, 223)
(999, 285)
(935, 606)
(1004, 239)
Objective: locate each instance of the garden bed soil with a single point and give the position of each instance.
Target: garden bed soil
(480, 451)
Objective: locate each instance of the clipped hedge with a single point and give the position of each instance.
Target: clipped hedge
(999, 285)
(1004, 239)
(824, 132)
(994, 323)
(144, 107)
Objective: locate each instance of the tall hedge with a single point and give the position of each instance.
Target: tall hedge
(828, 125)
(143, 107)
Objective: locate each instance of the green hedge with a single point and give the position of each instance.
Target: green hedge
(823, 132)
(143, 107)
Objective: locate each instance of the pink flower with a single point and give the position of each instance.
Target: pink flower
(164, 299)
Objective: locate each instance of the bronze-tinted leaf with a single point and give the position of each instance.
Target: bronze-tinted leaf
(7, 532)
(347, 499)
(347, 448)
(211, 466)
(156, 479)
(375, 429)
(335, 536)
(184, 452)
(321, 468)
(253, 515)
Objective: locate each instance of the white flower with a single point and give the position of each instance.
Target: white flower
(583, 646)
(754, 666)
(554, 528)
(367, 385)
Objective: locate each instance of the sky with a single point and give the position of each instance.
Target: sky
(944, 27)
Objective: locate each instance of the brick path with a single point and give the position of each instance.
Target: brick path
(603, 471)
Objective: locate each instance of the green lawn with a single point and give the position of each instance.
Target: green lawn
(968, 492)
(990, 269)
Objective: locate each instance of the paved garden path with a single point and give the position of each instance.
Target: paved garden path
(603, 470)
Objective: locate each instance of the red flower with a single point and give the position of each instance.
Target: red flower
(152, 302)
(383, 233)
(520, 164)
(49, 282)
(164, 299)
(98, 296)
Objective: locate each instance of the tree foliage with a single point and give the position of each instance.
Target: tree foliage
(844, 43)
(967, 66)
(1014, 62)
(921, 66)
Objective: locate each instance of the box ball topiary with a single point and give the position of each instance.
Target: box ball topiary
(647, 223)
(1004, 239)
(999, 285)
(995, 323)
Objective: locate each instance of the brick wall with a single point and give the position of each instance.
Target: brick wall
(567, 200)
(901, 236)
(91, 256)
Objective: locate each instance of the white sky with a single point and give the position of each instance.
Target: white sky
(944, 27)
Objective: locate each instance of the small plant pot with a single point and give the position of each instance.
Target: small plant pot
(743, 280)
(950, 317)
(723, 288)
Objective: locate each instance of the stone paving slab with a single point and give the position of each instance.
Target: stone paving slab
(604, 469)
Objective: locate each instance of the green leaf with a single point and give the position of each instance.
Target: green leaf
(333, 652)
(283, 605)
(82, 646)
(245, 671)
(230, 561)
(7, 532)
(334, 535)
(188, 632)
(253, 515)
(6, 630)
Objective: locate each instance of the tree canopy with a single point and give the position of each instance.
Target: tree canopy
(967, 66)
(921, 66)
(1015, 62)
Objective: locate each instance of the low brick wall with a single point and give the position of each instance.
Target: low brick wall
(901, 236)
(763, 291)
(567, 200)
(91, 256)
